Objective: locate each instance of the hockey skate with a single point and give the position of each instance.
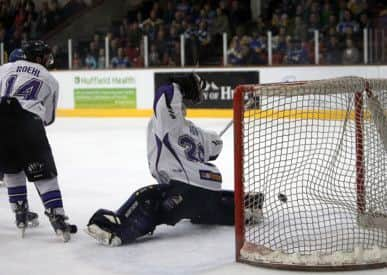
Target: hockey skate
(253, 208)
(100, 227)
(61, 227)
(25, 218)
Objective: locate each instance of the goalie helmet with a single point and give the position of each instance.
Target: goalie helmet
(38, 51)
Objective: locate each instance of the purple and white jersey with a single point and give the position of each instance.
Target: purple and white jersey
(177, 149)
(34, 87)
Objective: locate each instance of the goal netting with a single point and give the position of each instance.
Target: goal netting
(317, 150)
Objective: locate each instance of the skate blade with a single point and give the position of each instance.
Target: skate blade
(103, 237)
(64, 235)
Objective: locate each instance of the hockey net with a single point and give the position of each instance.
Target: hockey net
(317, 150)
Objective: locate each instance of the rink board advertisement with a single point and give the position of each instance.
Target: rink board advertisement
(129, 93)
(220, 86)
(104, 91)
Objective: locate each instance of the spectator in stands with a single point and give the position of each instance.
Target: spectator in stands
(167, 60)
(258, 45)
(326, 13)
(134, 35)
(357, 6)
(183, 6)
(60, 57)
(332, 24)
(234, 53)
(124, 27)
(98, 41)
(252, 51)
(351, 54)
(342, 9)
(347, 23)
(169, 13)
(333, 52)
(32, 25)
(161, 41)
(154, 59)
(280, 47)
(365, 22)
(313, 25)
(284, 21)
(93, 50)
(54, 12)
(295, 53)
(299, 28)
(132, 51)
(237, 15)
(204, 39)
(101, 59)
(46, 20)
(114, 45)
(220, 24)
(172, 36)
(76, 62)
(90, 61)
(121, 60)
(191, 43)
(152, 21)
(20, 18)
(259, 26)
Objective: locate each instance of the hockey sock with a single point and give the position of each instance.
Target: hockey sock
(17, 190)
(50, 194)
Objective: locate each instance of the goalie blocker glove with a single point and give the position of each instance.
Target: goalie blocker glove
(192, 86)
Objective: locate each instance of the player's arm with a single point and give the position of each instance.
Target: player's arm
(168, 104)
(51, 102)
(168, 101)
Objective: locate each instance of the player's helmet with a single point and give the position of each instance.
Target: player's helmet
(16, 54)
(39, 52)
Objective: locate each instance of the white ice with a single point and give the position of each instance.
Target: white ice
(100, 163)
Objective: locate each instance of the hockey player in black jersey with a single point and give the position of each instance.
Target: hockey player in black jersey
(179, 156)
(29, 95)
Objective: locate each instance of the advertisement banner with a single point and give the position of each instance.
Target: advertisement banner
(220, 86)
(104, 92)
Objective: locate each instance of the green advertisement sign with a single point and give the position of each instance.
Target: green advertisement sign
(104, 92)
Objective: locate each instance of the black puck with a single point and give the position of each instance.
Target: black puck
(282, 197)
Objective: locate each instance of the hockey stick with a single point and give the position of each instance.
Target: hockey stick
(249, 103)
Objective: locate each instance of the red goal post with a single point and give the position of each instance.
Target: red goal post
(323, 144)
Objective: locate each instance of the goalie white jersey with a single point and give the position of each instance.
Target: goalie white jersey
(34, 87)
(177, 149)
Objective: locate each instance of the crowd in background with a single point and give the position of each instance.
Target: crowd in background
(22, 20)
(202, 22)
(291, 22)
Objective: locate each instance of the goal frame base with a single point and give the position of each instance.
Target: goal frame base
(313, 268)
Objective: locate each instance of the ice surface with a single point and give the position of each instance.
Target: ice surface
(100, 163)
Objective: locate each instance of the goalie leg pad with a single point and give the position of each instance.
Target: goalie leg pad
(135, 218)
